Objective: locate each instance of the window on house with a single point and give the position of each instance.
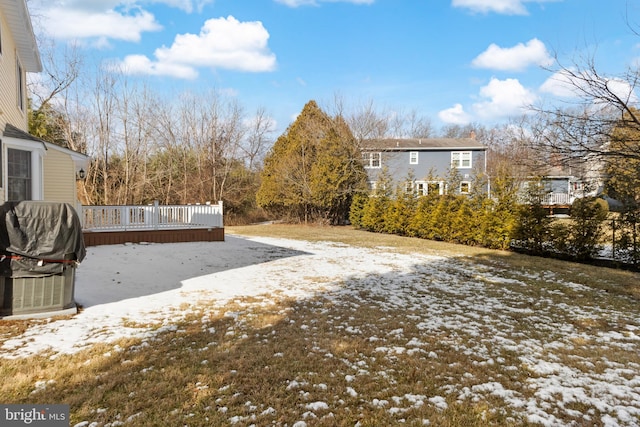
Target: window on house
(409, 187)
(465, 187)
(461, 159)
(372, 160)
(20, 80)
(423, 188)
(18, 175)
(413, 158)
(435, 187)
(0, 39)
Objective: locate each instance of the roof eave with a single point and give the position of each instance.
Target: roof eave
(423, 148)
(19, 22)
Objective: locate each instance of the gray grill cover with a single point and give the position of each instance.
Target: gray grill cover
(36, 235)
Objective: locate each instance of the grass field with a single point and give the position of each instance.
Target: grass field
(361, 329)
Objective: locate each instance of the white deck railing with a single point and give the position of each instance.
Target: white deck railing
(151, 217)
(557, 199)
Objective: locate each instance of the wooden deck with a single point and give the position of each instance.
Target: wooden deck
(96, 238)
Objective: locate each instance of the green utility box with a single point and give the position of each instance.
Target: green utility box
(30, 295)
(41, 244)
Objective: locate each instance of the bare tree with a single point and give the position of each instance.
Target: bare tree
(258, 137)
(135, 107)
(100, 137)
(366, 122)
(600, 104)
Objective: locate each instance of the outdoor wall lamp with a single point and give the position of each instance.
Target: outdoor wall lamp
(81, 174)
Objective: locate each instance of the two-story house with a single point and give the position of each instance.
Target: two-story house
(30, 169)
(429, 161)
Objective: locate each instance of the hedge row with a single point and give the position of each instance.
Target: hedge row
(498, 223)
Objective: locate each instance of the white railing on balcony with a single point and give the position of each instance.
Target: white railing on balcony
(554, 199)
(151, 217)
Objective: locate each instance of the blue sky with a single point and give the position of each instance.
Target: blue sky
(453, 61)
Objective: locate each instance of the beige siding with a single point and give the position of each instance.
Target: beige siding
(59, 177)
(8, 82)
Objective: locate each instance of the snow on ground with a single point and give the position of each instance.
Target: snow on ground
(123, 286)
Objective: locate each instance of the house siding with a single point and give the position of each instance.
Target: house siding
(59, 177)
(8, 82)
(434, 162)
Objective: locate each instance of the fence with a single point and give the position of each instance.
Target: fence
(625, 240)
(151, 217)
(557, 199)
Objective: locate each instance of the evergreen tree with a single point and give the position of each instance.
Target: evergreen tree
(586, 228)
(499, 213)
(356, 210)
(533, 224)
(623, 171)
(442, 217)
(313, 169)
(374, 212)
(337, 174)
(422, 224)
(402, 209)
(465, 221)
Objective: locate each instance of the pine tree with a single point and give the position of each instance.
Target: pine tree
(423, 224)
(402, 209)
(533, 224)
(356, 210)
(499, 214)
(313, 170)
(586, 228)
(374, 212)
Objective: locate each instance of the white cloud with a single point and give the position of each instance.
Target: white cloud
(102, 20)
(564, 84)
(455, 115)
(503, 98)
(505, 7)
(221, 43)
(623, 90)
(516, 58)
(560, 85)
(187, 5)
(81, 24)
(140, 64)
(298, 3)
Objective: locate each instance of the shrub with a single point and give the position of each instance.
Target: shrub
(356, 209)
(586, 228)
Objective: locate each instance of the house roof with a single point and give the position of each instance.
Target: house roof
(422, 144)
(11, 131)
(19, 23)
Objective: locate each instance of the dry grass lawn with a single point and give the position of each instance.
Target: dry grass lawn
(480, 338)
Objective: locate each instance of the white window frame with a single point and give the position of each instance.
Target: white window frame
(20, 86)
(467, 184)
(37, 159)
(422, 187)
(461, 159)
(413, 157)
(372, 159)
(24, 179)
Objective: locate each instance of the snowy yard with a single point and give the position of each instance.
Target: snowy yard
(271, 331)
